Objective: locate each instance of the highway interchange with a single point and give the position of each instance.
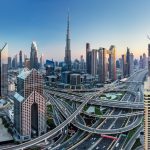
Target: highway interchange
(118, 119)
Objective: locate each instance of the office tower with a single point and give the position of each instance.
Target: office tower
(75, 79)
(29, 105)
(42, 61)
(147, 107)
(82, 64)
(141, 62)
(49, 66)
(88, 58)
(76, 65)
(131, 63)
(15, 62)
(20, 59)
(128, 61)
(33, 56)
(103, 64)
(112, 63)
(118, 63)
(124, 66)
(94, 62)
(9, 63)
(144, 60)
(25, 56)
(4, 71)
(67, 48)
(27, 63)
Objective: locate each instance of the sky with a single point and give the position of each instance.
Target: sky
(123, 23)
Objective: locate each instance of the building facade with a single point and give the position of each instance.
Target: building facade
(20, 59)
(33, 56)
(147, 107)
(29, 105)
(4, 71)
(88, 58)
(67, 48)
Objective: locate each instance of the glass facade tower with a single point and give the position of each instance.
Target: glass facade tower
(4, 71)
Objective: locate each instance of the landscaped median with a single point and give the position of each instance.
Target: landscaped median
(92, 110)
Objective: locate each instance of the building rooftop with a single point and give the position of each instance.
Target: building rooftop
(24, 73)
(18, 97)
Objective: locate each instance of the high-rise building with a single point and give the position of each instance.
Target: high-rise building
(147, 107)
(128, 62)
(144, 60)
(112, 63)
(141, 62)
(88, 58)
(9, 63)
(101, 62)
(33, 56)
(67, 48)
(29, 105)
(123, 65)
(42, 61)
(15, 62)
(94, 62)
(20, 59)
(82, 65)
(131, 63)
(4, 71)
(27, 63)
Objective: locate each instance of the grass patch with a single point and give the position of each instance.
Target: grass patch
(136, 144)
(85, 107)
(97, 111)
(130, 134)
(49, 108)
(50, 123)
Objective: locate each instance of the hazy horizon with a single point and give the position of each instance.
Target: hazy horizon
(100, 22)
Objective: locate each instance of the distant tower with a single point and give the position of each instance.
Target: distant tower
(29, 105)
(88, 58)
(112, 63)
(128, 61)
(94, 62)
(20, 59)
(33, 56)
(41, 61)
(9, 63)
(67, 49)
(147, 107)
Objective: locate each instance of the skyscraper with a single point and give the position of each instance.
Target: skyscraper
(147, 107)
(15, 62)
(20, 59)
(42, 61)
(112, 63)
(131, 63)
(123, 65)
(9, 63)
(103, 65)
(4, 71)
(94, 62)
(33, 56)
(128, 61)
(29, 105)
(88, 58)
(67, 48)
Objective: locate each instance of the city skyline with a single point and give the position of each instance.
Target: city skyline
(114, 23)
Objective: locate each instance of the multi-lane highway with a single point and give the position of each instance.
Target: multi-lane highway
(120, 119)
